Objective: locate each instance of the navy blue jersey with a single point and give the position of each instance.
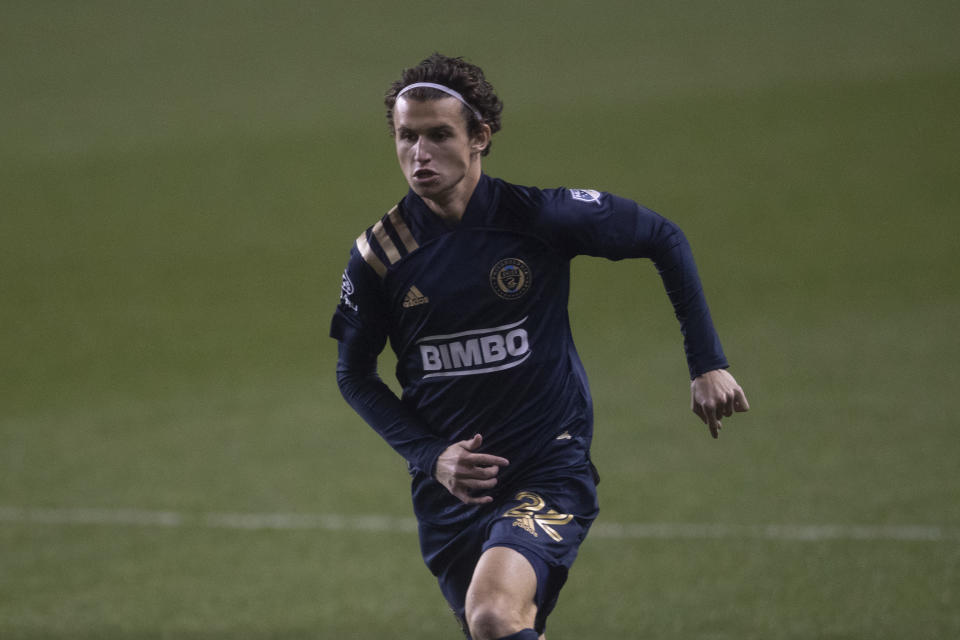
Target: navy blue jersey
(476, 314)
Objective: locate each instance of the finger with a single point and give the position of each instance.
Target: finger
(473, 488)
(470, 472)
(478, 484)
(740, 400)
(485, 460)
(473, 492)
(473, 443)
(466, 498)
(730, 404)
(715, 426)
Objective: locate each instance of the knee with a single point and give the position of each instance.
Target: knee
(489, 620)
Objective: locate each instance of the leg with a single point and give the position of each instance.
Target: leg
(500, 600)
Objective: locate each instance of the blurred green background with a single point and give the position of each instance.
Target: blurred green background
(180, 184)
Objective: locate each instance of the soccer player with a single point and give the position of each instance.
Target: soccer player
(468, 277)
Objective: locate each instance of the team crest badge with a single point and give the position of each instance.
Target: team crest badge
(510, 278)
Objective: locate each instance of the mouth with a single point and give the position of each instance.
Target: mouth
(424, 175)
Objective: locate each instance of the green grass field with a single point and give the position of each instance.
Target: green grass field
(180, 184)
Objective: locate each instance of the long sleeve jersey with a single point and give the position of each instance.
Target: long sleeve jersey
(477, 316)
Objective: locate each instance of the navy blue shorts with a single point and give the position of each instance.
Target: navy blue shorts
(545, 519)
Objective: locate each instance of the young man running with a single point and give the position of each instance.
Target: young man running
(468, 277)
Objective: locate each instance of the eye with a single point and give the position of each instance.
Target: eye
(408, 136)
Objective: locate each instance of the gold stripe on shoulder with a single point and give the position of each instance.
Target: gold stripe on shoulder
(369, 256)
(402, 230)
(380, 233)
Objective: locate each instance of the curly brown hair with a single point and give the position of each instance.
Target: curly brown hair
(461, 76)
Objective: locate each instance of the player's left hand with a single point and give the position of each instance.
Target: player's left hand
(715, 395)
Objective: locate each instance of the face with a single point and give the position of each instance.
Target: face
(437, 156)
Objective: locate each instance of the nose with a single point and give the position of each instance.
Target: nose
(420, 151)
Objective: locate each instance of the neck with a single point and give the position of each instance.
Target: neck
(451, 206)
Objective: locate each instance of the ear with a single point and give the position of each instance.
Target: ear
(480, 141)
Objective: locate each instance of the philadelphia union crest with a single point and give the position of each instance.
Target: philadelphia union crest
(510, 278)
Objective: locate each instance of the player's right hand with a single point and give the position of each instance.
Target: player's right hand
(467, 475)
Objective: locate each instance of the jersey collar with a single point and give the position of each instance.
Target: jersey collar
(475, 214)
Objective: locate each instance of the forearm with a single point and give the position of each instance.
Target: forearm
(374, 401)
(677, 269)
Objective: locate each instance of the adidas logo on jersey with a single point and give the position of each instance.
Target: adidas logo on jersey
(414, 298)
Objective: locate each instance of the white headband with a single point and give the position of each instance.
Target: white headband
(446, 90)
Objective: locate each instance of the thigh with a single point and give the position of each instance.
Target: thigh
(545, 524)
(504, 582)
(533, 525)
